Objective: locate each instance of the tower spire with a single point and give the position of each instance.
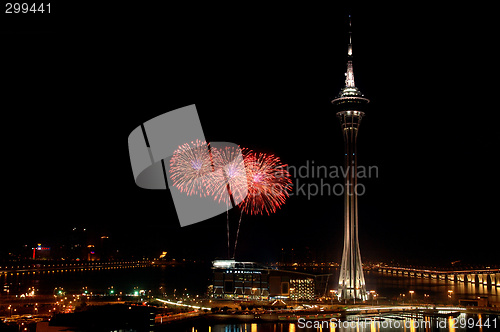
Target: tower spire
(349, 75)
(350, 93)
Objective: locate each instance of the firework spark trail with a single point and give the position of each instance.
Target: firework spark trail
(189, 166)
(268, 183)
(237, 233)
(227, 223)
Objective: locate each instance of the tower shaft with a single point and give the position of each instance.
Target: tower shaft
(351, 280)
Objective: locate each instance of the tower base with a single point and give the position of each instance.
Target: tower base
(352, 295)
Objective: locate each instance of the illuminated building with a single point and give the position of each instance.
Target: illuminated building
(249, 280)
(349, 105)
(91, 253)
(302, 289)
(40, 252)
(104, 248)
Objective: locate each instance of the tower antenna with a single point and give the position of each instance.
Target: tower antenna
(350, 32)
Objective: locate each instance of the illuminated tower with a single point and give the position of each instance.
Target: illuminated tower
(349, 105)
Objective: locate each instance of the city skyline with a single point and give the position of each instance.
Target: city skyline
(267, 88)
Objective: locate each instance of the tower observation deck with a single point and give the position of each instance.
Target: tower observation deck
(350, 104)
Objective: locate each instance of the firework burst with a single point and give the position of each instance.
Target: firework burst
(229, 176)
(268, 183)
(189, 166)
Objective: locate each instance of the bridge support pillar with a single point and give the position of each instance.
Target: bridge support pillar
(451, 277)
(485, 279)
(492, 280)
(471, 278)
(461, 277)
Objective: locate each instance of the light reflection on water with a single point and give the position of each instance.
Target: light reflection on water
(463, 322)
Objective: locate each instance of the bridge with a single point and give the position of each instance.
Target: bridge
(487, 277)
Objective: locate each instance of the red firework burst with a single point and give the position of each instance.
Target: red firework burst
(268, 183)
(229, 176)
(188, 167)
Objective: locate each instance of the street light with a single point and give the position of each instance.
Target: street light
(372, 292)
(331, 295)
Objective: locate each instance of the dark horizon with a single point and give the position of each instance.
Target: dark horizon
(263, 79)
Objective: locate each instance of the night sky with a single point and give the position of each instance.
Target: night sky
(75, 87)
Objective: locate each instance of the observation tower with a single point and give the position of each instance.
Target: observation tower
(350, 104)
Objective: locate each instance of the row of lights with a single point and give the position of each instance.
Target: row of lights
(69, 270)
(69, 264)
